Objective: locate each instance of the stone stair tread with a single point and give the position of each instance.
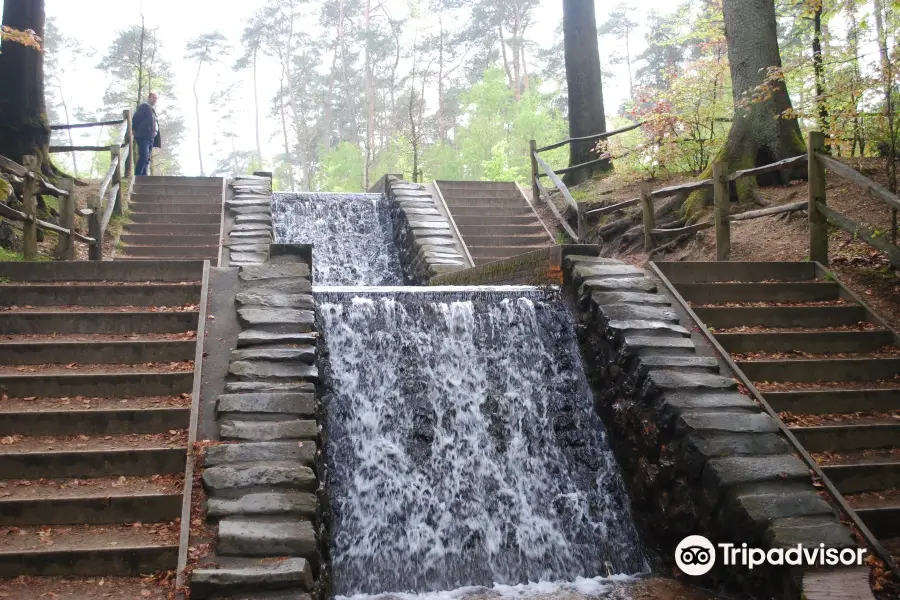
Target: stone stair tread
(99, 487)
(264, 431)
(267, 402)
(87, 404)
(264, 503)
(251, 337)
(60, 445)
(266, 536)
(231, 573)
(91, 588)
(28, 539)
(95, 370)
(260, 452)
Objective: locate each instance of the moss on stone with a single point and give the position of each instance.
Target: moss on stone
(5, 189)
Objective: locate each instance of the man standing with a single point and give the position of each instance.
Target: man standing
(146, 133)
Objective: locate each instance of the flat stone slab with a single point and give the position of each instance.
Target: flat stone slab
(707, 363)
(304, 452)
(254, 218)
(709, 401)
(250, 234)
(304, 354)
(259, 369)
(240, 247)
(281, 574)
(253, 475)
(620, 284)
(422, 211)
(810, 532)
(653, 345)
(591, 271)
(435, 241)
(743, 470)
(719, 445)
(289, 285)
(674, 380)
(757, 510)
(262, 209)
(266, 536)
(254, 337)
(630, 312)
(266, 431)
(838, 584)
(264, 503)
(276, 300)
(250, 258)
(275, 271)
(281, 320)
(637, 325)
(724, 422)
(575, 259)
(419, 224)
(607, 298)
(237, 387)
(267, 402)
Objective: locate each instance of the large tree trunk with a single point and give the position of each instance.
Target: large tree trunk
(759, 133)
(586, 114)
(23, 111)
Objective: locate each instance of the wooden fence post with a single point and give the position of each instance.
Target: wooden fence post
(29, 201)
(535, 190)
(115, 156)
(818, 223)
(129, 162)
(722, 209)
(65, 248)
(95, 251)
(649, 217)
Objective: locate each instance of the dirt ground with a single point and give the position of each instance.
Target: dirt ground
(785, 237)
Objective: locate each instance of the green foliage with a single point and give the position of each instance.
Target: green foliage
(342, 169)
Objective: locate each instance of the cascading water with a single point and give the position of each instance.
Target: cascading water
(351, 234)
(463, 449)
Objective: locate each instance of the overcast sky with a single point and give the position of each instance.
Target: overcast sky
(182, 20)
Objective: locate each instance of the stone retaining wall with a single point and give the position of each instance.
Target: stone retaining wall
(540, 267)
(247, 230)
(698, 456)
(422, 231)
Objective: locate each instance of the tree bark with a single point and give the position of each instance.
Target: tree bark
(760, 134)
(197, 110)
(585, 87)
(819, 69)
(23, 110)
(256, 107)
(888, 77)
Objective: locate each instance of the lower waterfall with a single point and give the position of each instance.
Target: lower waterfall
(462, 444)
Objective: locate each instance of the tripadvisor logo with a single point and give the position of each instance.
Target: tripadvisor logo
(695, 555)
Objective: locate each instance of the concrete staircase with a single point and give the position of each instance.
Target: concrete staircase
(96, 367)
(174, 218)
(494, 219)
(823, 360)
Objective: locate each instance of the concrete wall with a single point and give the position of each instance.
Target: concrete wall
(541, 267)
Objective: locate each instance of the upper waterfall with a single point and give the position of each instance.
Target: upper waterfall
(351, 235)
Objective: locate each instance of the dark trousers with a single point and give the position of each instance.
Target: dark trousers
(145, 147)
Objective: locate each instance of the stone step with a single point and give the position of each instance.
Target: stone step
(101, 271)
(179, 191)
(201, 252)
(91, 321)
(99, 294)
(805, 341)
(816, 370)
(67, 459)
(208, 199)
(87, 551)
(110, 502)
(781, 316)
(503, 240)
(882, 521)
(476, 185)
(93, 421)
(107, 351)
(176, 219)
(477, 220)
(533, 229)
(717, 293)
(503, 251)
(173, 229)
(233, 575)
(849, 437)
(483, 198)
(864, 476)
(178, 180)
(267, 536)
(176, 207)
(835, 401)
(133, 239)
(492, 211)
(748, 272)
(61, 385)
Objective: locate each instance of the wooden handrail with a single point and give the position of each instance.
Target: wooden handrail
(878, 191)
(776, 166)
(110, 206)
(598, 136)
(82, 125)
(109, 175)
(867, 234)
(58, 149)
(572, 169)
(45, 187)
(557, 182)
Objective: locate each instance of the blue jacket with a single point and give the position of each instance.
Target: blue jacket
(145, 124)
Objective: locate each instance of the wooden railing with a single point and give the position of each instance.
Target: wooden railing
(116, 188)
(539, 168)
(33, 185)
(115, 191)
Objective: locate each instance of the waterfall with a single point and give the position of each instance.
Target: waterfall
(462, 444)
(351, 234)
